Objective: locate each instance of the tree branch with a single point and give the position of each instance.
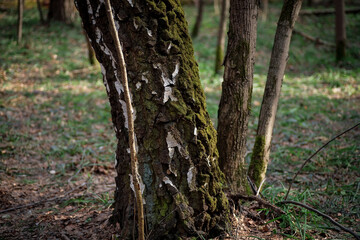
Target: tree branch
(357, 236)
(327, 12)
(308, 160)
(134, 161)
(317, 41)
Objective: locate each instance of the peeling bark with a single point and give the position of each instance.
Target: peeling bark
(279, 57)
(236, 94)
(174, 136)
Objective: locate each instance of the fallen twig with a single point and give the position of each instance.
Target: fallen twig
(327, 12)
(323, 146)
(317, 41)
(357, 236)
(41, 201)
(237, 197)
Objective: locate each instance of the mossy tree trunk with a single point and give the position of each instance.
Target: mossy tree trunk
(62, 11)
(340, 29)
(279, 57)
(176, 142)
(199, 16)
(236, 94)
(221, 36)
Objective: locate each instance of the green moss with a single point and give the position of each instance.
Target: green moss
(258, 164)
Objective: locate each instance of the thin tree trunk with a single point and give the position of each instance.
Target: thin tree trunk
(340, 29)
(91, 53)
(20, 20)
(279, 56)
(180, 178)
(42, 20)
(62, 11)
(221, 36)
(236, 94)
(196, 29)
(264, 9)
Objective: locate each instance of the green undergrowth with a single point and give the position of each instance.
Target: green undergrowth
(54, 110)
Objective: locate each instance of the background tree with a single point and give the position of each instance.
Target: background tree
(340, 29)
(20, 20)
(38, 4)
(279, 57)
(199, 16)
(236, 94)
(264, 9)
(221, 36)
(62, 10)
(176, 142)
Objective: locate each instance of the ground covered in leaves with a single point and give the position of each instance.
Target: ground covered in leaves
(57, 142)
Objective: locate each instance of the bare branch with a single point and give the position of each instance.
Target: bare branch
(308, 160)
(357, 236)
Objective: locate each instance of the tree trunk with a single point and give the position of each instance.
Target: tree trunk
(279, 56)
(176, 142)
(340, 29)
(221, 36)
(20, 20)
(236, 94)
(264, 9)
(40, 11)
(196, 29)
(62, 10)
(91, 53)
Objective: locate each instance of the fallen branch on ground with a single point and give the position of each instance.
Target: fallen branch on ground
(308, 160)
(327, 12)
(237, 197)
(317, 41)
(357, 236)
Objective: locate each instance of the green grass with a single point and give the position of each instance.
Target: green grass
(54, 110)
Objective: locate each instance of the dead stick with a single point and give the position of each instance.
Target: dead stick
(41, 201)
(307, 160)
(327, 12)
(237, 197)
(357, 236)
(134, 161)
(313, 39)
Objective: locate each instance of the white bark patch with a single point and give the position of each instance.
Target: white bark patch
(172, 144)
(190, 176)
(168, 95)
(131, 3)
(119, 87)
(153, 92)
(166, 180)
(142, 186)
(176, 72)
(103, 71)
(91, 12)
(123, 106)
(144, 78)
(168, 49)
(208, 161)
(149, 32)
(138, 85)
(128, 150)
(115, 161)
(98, 35)
(195, 131)
(98, 8)
(135, 25)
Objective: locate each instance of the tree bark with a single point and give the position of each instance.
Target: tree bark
(38, 4)
(264, 9)
(174, 136)
(196, 29)
(20, 20)
(62, 11)
(279, 57)
(91, 53)
(221, 36)
(236, 94)
(340, 29)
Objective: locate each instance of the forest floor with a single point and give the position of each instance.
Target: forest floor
(57, 142)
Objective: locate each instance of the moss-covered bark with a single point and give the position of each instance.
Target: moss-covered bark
(176, 142)
(279, 57)
(236, 94)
